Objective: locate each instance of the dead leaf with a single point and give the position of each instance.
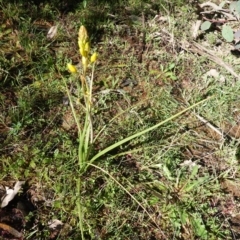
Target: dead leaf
(52, 32)
(11, 193)
(188, 163)
(55, 223)
(195, 27)
(58, 229)
(215, 74)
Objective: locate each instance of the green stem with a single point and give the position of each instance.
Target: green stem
(73, 110)
(79, 207)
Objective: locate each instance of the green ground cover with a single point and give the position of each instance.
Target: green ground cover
(178, 181)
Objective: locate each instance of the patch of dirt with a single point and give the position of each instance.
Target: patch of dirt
(231, 187)
(22, 213)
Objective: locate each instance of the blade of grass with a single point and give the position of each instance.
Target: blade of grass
(117, 144)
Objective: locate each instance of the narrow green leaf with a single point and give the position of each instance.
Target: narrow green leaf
(167, 173)
(191, 185)
(117, 144)
(194, 171)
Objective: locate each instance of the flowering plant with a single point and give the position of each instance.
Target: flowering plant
(85, 132)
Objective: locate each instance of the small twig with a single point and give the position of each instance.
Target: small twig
(208, 124)
(216, 21)
(218, 9)
(221, 132)
(11, 230)
(195, 28)
(228, 15)
(210, 4)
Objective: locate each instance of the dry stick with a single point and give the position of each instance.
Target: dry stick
(199, 49)
(11, 230)
(216, 8)
(195, 28)
(215, 128)
(221, 132)
(210, 4)
(207, 123)
(229, 16)
(216, 20)
(225, 135)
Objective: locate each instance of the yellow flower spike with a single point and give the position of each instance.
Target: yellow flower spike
(82, 34)
(71, 68)
(94, 57)
(83, 53)
(80, 44)
(84, 49)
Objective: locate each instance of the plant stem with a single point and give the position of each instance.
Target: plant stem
(79, 207)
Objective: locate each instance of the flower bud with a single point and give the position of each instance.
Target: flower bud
(94, 57)
(81, 45)
(82, 36)
(71, 68)
(83, 53)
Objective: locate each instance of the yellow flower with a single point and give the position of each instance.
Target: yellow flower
(82, 52)
(84, 63)
(71, 68)
(83, 41)
(82, 35)
(80, 45)
(87, 47)
(94, 57)
(84, 49)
